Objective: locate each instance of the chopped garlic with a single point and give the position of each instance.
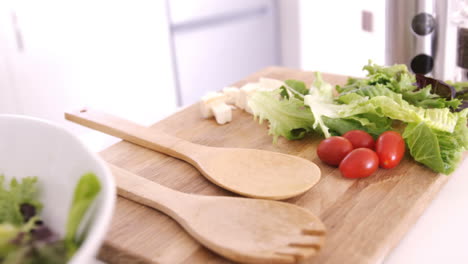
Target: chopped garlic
(232, 93)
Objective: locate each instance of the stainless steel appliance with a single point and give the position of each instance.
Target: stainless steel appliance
(423, 35)
(461, 19)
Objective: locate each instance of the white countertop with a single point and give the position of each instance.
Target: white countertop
(441, 233)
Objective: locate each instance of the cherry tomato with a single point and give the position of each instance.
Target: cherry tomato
(360, 139)
(390, 148)
(333, 149)
(359, 163)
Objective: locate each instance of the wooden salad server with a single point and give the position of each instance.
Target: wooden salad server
(241, 229)
(248, 172)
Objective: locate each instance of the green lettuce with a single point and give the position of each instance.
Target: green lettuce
(293, 88)
(339, 126)
(424, 98)
(396, 79)
(441, 151)
(86, 191)
(19, 217)
(293, 117)
(387, 99)
(393, 106)
(321, 102)
(14, 195)
(322, 108)
(288, 117)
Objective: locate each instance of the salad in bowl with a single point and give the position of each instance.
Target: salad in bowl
(56, 196)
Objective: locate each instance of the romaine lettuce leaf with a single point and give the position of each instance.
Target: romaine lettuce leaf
(339, 126)
(392, 105)
(438, 150)
(424, 146)
(86, 191)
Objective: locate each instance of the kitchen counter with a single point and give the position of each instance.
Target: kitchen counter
(441, 233)
(439, 236)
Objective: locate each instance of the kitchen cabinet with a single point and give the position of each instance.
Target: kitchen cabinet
(219, 42)
(110, 55)
(7, 96)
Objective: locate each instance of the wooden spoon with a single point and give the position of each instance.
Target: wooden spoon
(240, 229)
(248, 172)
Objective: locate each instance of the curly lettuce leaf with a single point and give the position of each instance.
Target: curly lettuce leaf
(424, 98)
(322, 108)
(321, 89)
(17, 193)
(321, 102)
(399, 80)
(292, 117)
(288, 117)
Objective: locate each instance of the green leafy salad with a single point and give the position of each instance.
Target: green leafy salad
(430, 114)
(24, 237)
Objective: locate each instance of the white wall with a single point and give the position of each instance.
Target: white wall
(114, 55)
(8, 100)
(290, 33)
(329, 37)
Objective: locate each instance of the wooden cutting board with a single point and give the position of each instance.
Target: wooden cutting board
(365, 218)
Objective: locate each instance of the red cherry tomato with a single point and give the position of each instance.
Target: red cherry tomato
(359, 163)
(360, 139)
(390, 148)
(333, 149)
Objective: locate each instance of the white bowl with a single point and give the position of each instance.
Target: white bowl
(34, 147)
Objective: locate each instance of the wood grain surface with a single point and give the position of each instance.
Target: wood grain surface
(261, 174)
(250, 230)
(365, 218)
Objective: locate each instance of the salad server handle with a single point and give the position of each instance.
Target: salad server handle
(150, 193)
(135, 133)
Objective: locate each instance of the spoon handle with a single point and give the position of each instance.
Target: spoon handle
(150, 193)
(134, 133)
